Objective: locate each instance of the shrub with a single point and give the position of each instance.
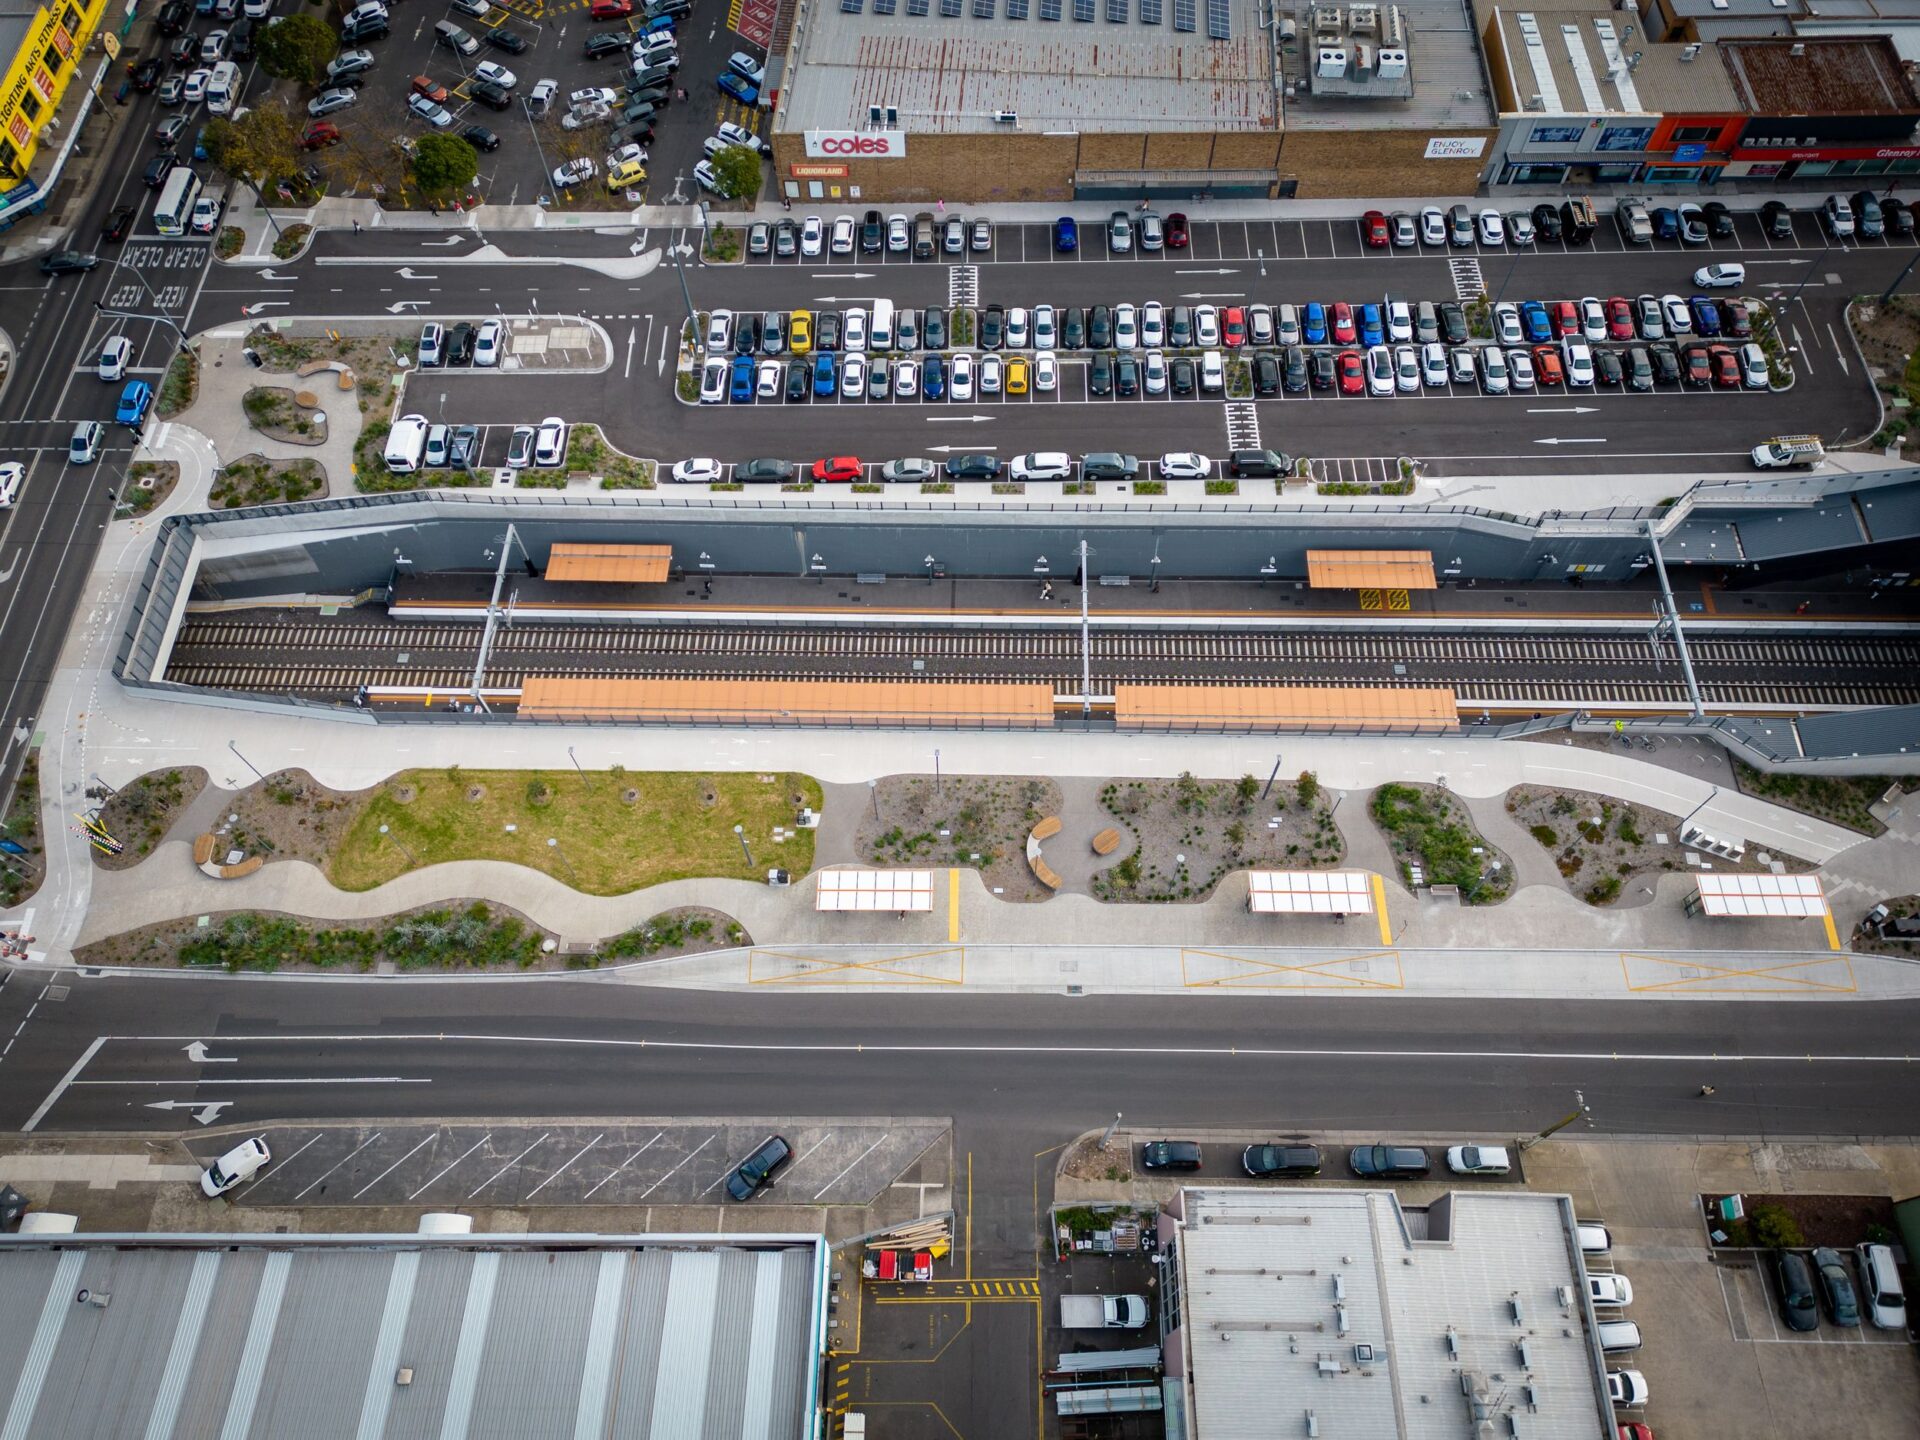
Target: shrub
(1775, 1228)
(1545, 834)
(1307, 788)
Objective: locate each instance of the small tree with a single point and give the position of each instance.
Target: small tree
(1307, 787)
(259, 148)
(444, 164)
(737, 169)
(1246, 787)
(297, 48)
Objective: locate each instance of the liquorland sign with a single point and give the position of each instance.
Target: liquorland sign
(856, 144)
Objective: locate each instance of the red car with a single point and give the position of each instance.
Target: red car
(1619, 318)
(1343, 331)
(1726, 367)
(1634, 1430)
(1373, 225)
(840, 467)
(1353, 375)
(426, 85)
(610, 10)
(1233, 326)
(1176, 231)
(319, 133)
(1546, 366)
(1696, 368)
(1566, 318)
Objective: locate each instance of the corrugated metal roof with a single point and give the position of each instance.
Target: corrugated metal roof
(1370, 570)
(601, 698)
(1267, 1334)
(1157, 706)
(649, 1336)
(1838, 76)
(1891, 730)
(1661, 81)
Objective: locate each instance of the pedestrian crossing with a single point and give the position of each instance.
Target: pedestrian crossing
(963, 285)
(1467, 281)
(1243, 425)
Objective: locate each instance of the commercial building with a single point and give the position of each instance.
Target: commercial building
(45, 45)
(1348, 1315)
(521, 1337)
(1822, 109)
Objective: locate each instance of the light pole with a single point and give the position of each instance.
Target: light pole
(553, 844)
(873, 792)
(244, 761)
(576, 765)
(387, 831)
(1485, 875)
(740, 834)
(1581, 1111)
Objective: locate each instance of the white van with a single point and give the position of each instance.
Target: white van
(406, 444)
(880, 332)
(1880, 1287)
(222, 86)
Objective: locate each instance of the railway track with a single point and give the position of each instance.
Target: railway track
(322, 658)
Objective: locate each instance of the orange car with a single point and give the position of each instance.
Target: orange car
(426, 85)
(1547, 369)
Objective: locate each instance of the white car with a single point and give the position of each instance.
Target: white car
(1593, 319)
(1399, 320)
(772, 376)
(1153, 325)
(1720, 277)
(1478, 1160)
(853, 333)
(478, 9)
(1206, 325)
(899, 234)
(1578, 358)
(583, 117)
(436, 451)
(1520, 366)
(1593, 1238)
(842, 239)
(489, 342)
(637, 154)
(906, 379)
(1433, 226)
(1046, 373)
(1156, 373)
(1506, 324)
(434, 114)
(1494, 378)
(990, 373)
(574, 172)
(1406, 369)
(213, 49)
(747, 68)
(115, 356)
(1754, 371)
(520, 447)
(206, 215)
(1185, 465)
(1433, 363)
(550, 443)
(83, 446)
(1610, 1289)
(713, 381)
(1679, 319)
(853, 377)
(703, 173)
(1626, 1388)
(1017, 328)
(1126, 327)
(1379, 370)
(960, 378)
(1042, 465)
(1044, 332)
(12, 475)
(813, 235)
(1493, 229)
(594, 95)
(1464, 369)
(732, 134)
(1213, 371)
(495, 74)
(236, 1167)
(196, 87)
(702, 470)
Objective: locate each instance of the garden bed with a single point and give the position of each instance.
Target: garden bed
(276, 412)
(1836, 1220)
(148, 483)
(20, 875)
(1432, 835)
(1840, 799)
(256, 480)
(979, 822)
(1189, 833)
(1866, 942)
(141, 812)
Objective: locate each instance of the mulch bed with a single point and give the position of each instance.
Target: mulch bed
(1866, 942)
(141, 812)
(975, 821)
(1188, 833)
(1836, 1220)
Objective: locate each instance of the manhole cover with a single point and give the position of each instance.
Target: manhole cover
(58, 992)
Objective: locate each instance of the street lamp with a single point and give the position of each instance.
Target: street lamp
(1581, 1111)
(576, 765)
(244, 761)
(740, 834)
(388, 833)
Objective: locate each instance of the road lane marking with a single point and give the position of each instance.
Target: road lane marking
(855, 1161)
(66, 1080)
(509, 1165)
(624, 1163)
(669, 1175)
(395, 1166)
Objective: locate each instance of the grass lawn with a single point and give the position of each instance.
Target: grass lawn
(617, 831)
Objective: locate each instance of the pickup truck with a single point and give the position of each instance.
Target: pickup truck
(1635, 222)
(1103, 1312)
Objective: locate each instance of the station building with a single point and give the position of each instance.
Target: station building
(45, 45)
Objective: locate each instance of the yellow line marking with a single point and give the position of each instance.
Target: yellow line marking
(1705, 984)
(1271, 974)
(1833, 935)
(953, 903)
(1380, 910)
(898, 1404)
(851, 972)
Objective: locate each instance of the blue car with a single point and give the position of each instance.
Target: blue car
(825, 380)
(933, 378)
(200, 144)
(1666, 223)
(1066, 235)
(653, 23)
(1372, 331)
(1706, 315)
(1533, 318)
(134, 402)
(1313, 323)
(742, 386)
(740, 89)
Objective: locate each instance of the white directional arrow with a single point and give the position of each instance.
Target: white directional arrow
(636, 247)
(407, 272)
(632, 334)
(276, 275)
(259, 305)
(963, 449)
(843, 275)
(1223, 270)
(1563, 410)
(399, 305)
(1584, 440)
(839, 299)
(450, 240)
(1214, 295)
(956, 419)
(197, 1053)
(206, 1112)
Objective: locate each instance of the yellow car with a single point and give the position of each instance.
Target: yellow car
(625, 175)
(1017, 375)
(800, 332)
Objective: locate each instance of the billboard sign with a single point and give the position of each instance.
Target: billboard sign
(856, 144)
(1456, 147)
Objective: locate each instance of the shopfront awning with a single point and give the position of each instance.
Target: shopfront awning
(1370, 570)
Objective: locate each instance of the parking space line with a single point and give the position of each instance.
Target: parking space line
(457, 1159)
(564, 1168)
(509, 1165)
(844, 1173)
(288, 1160)
(395, 1166)
(341, 1161)
(670, 1174)
(624, 1163)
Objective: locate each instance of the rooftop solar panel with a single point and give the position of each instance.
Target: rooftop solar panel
(1016, 9)
(1219, 26)
(852, 7)
(950, 8)
(884, 7)
(1083, 10)
(1049, 9)
(916, 7)
(983, 9)
(1183, 15)
(1149, 12)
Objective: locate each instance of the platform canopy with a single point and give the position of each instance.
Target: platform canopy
(1310, 892)
(804, 702)
(909, 890)
(1255, 707)
(1370, 570)
(1773, 897)
(610, 564)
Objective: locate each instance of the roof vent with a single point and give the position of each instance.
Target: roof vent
(404, 1375)
(1519, 1313)
(1453, 1343)
(1525, 1354)
(1797, 50)
(1565, 1293)
(1340, 1325)
(1313, 1424)
(1327, 1366)
(1688, 52)
(1363, 1353)
(1006, 117)
(1339, 1287)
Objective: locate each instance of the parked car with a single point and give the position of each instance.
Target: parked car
(759, 1168)
(1611, 1289)
(236, 1167)
(1170, 1155)
(1266, 1162)
(1389, 1162)
(1479, 1160)
(1836, 1288)
(1798, 1307)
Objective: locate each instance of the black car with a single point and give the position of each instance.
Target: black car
(1258, 464)
(1453, 323)
(993, 327)
(1322, 371)
(480, 138)
(1389, 1162)
(1606, 367)
(1099, 327)
(645, 75)
(764, 472)
(1180, 375)
(1126, 376)
(972, 467)
(759, 1167)
(174, 17)
(1294, 377)
(118, 223)
(1073, 328)
(746, 334)
(1719, 219)
(1639, 365)
(640, 134)
(460, 344)
(826, 330)
(68, 262)
(372, 28)
(933, 328)
(185, 50)
(1108, 464)
(146, 74)
(873, 233)
(1100, 374)
(607, 42)
(490, 95)
(1897, 215)
(1797, 1304)
(655, 92)
(1666, 364)
(640, 112)
(799, 379)
(501, 38)
(1180, 327)
(1266, 374)
(1269, 1161)
(1169, 1155)
(1777, 220)
(155, 175)
(1546, 222)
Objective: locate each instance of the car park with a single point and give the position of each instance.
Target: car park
(1066, 235)
(480, 137)
(972, 467)
(1607, 368)
(1495, 378)
(435, 455)
(550, 442)
(1406, 369)
(911, 470)
(1405, 233)
(1837, 215)
(1618, 1337)
(758, 1169)
(853, 377)
(1479, 1160)
(460, 342)
(1258, 464)
(1520, 227)
(1881, 1292)
(740, 380)
(1776, 220)
(1493, 228)
(1507, 329)
(1120, 233)
(1153, 232)
(331, 102)
(1755, 373)
(1520, 369)
(1692, 223)
(838, 469)
(1373, 229)
(1460, 363)
(1666, 364)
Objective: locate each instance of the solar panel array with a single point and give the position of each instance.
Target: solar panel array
(1152, 12)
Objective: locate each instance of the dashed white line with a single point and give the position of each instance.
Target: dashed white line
(669, 1175)
(844, 1173)
(624, 1163)
(341, 1161)
(395, 1166)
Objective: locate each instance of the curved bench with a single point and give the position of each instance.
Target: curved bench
(314, 367)
(1106, 842)
(1043, 872)
(204, 847)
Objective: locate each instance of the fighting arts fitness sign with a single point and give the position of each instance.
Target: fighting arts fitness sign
(856, 144)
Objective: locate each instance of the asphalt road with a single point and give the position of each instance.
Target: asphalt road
(1586, 433)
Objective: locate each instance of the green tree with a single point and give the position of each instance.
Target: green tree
(738, 170)
(1307, 788)
(297, 48)
(444, 164)
(257, 149)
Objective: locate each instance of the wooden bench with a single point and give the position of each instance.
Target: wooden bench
(1106, 842)
(1043, 872)
(203, 849)
(343, 375)
(245, 868)
(1047, 828)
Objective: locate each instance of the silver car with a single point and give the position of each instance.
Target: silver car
(913, 468)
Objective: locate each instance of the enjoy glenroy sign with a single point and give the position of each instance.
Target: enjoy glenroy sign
(856, 144)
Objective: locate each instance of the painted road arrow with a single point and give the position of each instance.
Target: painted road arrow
(843, 275)
(450, 240)
(206, 1112)
(1214, 295)
(964, 449)
(407, 272)
(259, 305)
(197, 1053)
(276, 275)
(1223, 270)
(1585, 440)
(1564, 410)
(956, 419)
(399, 305)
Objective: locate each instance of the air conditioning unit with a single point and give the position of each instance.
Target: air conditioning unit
(1392, 65)
(1333, 63)
(1006, 117)
(1393, 29)
(1689, 52)
(1363, 19)
(1328, 20)
(1362, 59)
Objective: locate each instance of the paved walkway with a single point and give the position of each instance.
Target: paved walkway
(218, 417)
